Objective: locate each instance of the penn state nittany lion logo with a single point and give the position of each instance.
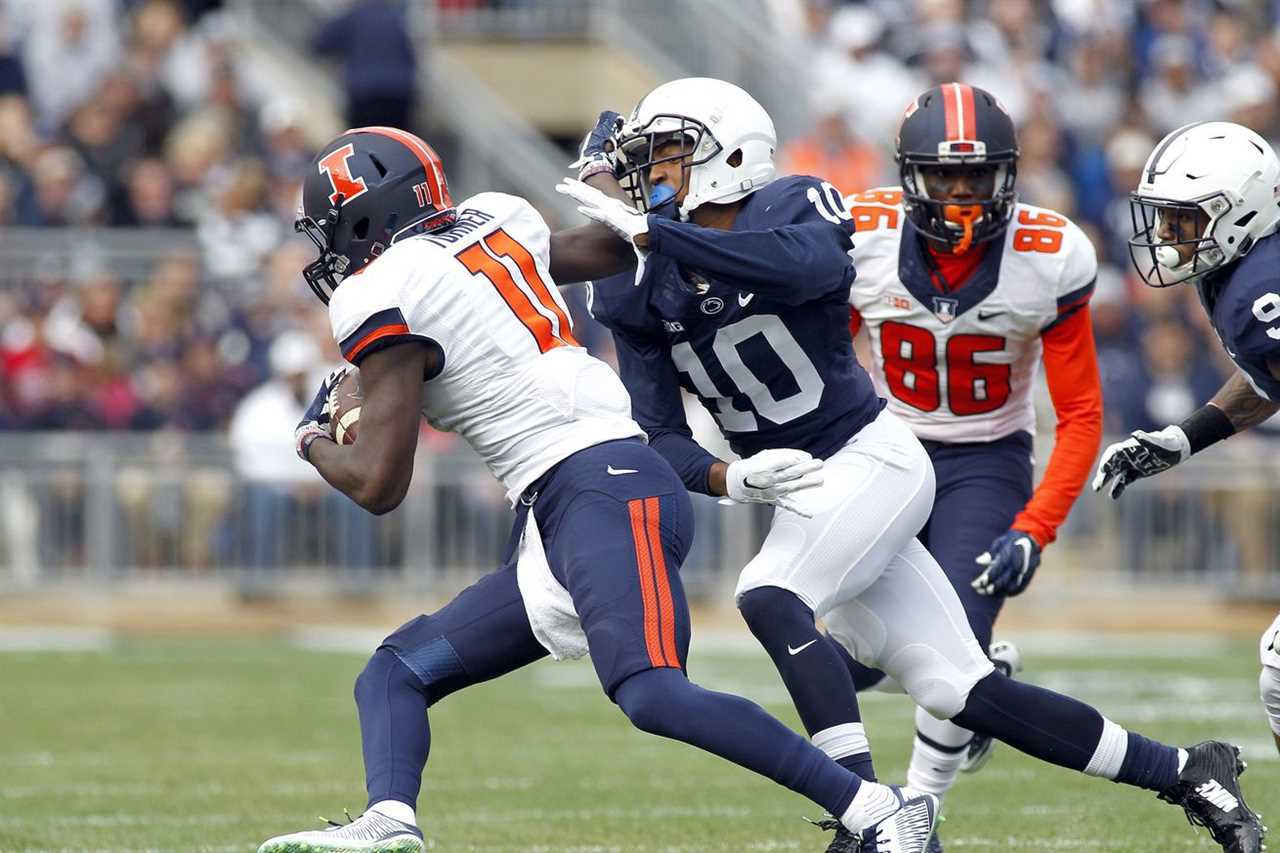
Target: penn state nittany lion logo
(712, 305)
(945, 308)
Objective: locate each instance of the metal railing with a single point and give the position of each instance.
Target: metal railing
(96, 507)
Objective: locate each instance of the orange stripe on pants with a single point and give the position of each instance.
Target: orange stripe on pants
(648, 592)
(667, 610)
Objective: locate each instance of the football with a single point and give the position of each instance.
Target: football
(344, 404)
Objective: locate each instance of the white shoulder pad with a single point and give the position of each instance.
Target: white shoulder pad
(515, 215)
(383, 300)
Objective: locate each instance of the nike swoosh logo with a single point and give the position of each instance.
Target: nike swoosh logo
(799, 650)
(616, 471)
(983, 315)
(744, 299)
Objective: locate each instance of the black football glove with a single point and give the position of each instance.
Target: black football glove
(1140, 455)
(317, 422)
(598, 151)
(1010, 563)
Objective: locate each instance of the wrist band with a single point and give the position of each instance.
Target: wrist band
(1205, 426)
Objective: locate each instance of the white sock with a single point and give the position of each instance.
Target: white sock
(933, 769)
(395, 810)
(873, 803)
(1108, 756)
(842, 741)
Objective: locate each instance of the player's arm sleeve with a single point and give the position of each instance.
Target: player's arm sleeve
(804, 257)
(1071, 369)
(654, 385)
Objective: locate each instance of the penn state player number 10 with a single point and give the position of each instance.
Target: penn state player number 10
(809, 383)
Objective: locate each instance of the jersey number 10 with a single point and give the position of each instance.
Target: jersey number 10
(911, 370)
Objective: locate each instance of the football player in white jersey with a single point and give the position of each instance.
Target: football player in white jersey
(451, 312)
(1205, 212)
(964, 292)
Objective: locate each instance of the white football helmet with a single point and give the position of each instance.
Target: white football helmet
(1222, 173)
(728, 139)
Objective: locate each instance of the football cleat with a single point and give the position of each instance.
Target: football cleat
(844, 842)
(1007, 659)
(369, 833)
(908, 830)
(935, 844)
(1208, 789)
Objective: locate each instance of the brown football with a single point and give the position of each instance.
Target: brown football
(345, 408)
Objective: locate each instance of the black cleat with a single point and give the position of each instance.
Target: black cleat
(935, 844)
(844, 842)
(1208, 789)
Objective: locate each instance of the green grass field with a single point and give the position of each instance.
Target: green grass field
(216, 743)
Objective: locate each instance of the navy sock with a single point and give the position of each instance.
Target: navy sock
(1148, 764)
(860, 765)
(394, 733)
(812, 670)
(1039, 722)
(664, 702)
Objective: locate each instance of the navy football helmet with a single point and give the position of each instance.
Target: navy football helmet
(962, 125)
(367, 189)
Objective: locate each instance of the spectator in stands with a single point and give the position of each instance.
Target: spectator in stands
(834, 152)
(282, 491)
(69, 46)
(380, 65)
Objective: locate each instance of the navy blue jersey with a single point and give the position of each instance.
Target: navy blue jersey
(1243, 302)
(752, 320)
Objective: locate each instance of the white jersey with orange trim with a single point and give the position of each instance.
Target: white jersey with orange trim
(959, 365)
(513, 380)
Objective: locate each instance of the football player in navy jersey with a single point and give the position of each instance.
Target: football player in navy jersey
(1206, 211)
(738, 294)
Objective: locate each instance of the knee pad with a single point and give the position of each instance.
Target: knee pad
(650, 699)
(774, 606)
(429, 657)
(936, 684)
(1269, 686)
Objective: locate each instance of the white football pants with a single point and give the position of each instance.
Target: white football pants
(858, 565)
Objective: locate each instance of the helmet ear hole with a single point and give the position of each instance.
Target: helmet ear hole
(361, 229)
(735, 159)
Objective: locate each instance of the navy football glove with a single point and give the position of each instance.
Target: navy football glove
(1140, 455)
(598, 151)
(1009, 563)
(317, 422)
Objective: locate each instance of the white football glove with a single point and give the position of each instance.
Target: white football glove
(624, 219)
(1142, 454)
(771, 476)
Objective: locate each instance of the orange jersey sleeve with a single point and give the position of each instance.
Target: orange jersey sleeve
(1071, 368)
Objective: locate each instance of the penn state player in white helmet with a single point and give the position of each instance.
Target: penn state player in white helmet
(1206, 212)
(740, 296)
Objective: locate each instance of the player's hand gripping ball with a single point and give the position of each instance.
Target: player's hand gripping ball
(344, 407)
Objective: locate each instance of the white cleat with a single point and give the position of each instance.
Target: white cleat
(907, 830)
(1007, 659)
(369, 833)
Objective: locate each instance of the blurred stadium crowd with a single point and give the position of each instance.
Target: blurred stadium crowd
(127, 113)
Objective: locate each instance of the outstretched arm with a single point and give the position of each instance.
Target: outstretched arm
(376, 470)
(1242, 405)
(594, 251)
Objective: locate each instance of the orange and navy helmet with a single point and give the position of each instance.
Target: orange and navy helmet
(367, 189)
(957, 125)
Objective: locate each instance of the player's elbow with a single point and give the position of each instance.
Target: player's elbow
(381, 494)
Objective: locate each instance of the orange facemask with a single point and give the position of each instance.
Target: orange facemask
(964, 215)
